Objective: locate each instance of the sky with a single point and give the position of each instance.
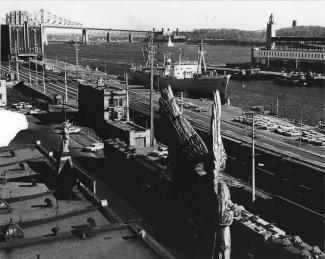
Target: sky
(185, 15)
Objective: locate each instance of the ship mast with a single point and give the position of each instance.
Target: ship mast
(151, 53)
(180, 56)
(201, 59)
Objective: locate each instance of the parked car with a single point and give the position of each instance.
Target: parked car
(159, 153)
(154, 153)
(35, 111)
(262, 126)
(271, 126)
(279, 130)
(304, 139)
(305, 133)
(292, 133)
(94, 147)
(161, 148)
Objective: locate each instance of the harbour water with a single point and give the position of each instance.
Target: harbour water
(292, 101)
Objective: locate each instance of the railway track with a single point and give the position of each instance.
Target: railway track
(52, 86)
(203, 125)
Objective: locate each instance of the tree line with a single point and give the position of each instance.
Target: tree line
(242, 37)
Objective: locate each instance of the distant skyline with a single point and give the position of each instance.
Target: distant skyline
(186, 15)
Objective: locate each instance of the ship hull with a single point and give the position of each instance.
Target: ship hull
(203, 86)
(290, 82)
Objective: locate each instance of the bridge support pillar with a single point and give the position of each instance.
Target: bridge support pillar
(85, 36)
(130, 38)
(108, 37)
(44, 36)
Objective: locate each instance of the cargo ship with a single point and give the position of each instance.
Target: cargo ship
(183, 76)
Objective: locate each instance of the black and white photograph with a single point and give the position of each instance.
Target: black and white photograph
(162, 129)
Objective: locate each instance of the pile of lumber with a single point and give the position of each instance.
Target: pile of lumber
(189, 145)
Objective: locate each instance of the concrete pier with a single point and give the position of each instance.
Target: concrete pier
(130, 38)
(85, 36)
(44, 36)
(108, 37)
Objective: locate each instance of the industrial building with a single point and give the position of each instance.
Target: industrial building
(99, 102)
(290, 52)
(107, 111)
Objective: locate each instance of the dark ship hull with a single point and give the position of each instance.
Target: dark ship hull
(202, 86)
(290, 81)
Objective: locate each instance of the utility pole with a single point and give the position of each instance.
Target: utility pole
(105, 73)
(76, 49)
(17, 68)
(300, 128)
(277, 106)
(9, 59)
(284, 105)
(0, 57)
(65, 80)
(151, 54)
(127, 96)
(43, 66)
(77, 71)
(253, 158)
(36, 72)
(182, 102)
(30, 73)
(180, 56)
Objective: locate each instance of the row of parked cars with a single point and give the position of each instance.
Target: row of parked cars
(283, 128)
(25, 108)
(313, 137)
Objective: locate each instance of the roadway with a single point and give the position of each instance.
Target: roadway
(139, 100)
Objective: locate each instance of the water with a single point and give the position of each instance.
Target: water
(292, 100)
